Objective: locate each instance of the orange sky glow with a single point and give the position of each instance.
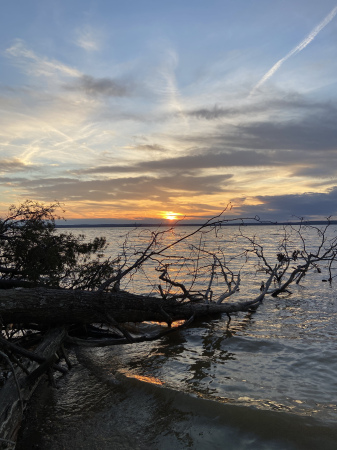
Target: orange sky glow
(121, 119)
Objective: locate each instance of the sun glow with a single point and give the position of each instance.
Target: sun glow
(170, 216)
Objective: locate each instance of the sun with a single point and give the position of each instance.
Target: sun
(170, 216)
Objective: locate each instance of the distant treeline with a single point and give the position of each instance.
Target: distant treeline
(179, 224)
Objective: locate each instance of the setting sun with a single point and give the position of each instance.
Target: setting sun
(171, 216)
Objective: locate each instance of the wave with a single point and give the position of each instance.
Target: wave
(97, 409)
(205, 423)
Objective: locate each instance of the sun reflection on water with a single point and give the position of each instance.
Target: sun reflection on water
(151, 380)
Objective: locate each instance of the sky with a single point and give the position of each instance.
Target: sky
(146, 110)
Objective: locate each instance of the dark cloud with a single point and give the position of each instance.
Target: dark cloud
(12, 165)
(309, 134)
(322, 164)
(298, 163)
(290, 102)
(307, 205)
(216, 112)
(130, 188)
(109, 169)
(291, 123)
(101, 87)
(319, 170)
(209, 160)
(192, 162)
(305, 134)
(6, 180)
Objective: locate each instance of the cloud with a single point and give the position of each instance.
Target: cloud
(46, 182)
(100, 86)
(208, 160)
(155, 148)
(306, 41)
(92, 152)
(278, 102)
(317, 169)
(178, 192)
(11, 180)
(284, 124)
(309, 135)
(159, 189)
(38, 65)
(303, 146)
(301, 205)
(87, 39)
(164, 84)
(188, 163)
(216, 112)
(12, 165)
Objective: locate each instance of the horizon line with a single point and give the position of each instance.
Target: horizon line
(240, 222)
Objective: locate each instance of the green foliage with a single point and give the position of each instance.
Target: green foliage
(34, 253)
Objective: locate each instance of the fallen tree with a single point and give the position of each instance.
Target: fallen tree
(50, 278)
(52, 307)
(53, 280)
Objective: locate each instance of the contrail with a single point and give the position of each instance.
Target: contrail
(296, 49)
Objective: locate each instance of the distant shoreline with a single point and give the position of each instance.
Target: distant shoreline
(170, 225)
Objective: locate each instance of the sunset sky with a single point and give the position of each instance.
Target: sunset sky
(140, 109)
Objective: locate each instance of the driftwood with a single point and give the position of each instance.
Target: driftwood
(62, 306)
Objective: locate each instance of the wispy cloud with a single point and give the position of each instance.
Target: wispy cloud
(87, 39)
(38, 65)
(306, 41)
(166, 83)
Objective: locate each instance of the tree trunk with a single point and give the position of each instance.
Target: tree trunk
(63, 306)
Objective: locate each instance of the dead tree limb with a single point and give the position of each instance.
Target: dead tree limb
(64, 306)
(10, 401)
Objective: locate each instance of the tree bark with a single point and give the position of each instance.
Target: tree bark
(63, 306)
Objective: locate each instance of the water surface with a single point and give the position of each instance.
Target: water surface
(264, 380)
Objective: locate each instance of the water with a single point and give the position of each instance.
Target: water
(264, 380)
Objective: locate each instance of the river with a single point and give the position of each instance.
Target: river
(265, 380)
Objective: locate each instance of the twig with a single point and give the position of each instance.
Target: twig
(28, 354)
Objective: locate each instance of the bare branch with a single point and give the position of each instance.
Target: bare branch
(122, 341)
